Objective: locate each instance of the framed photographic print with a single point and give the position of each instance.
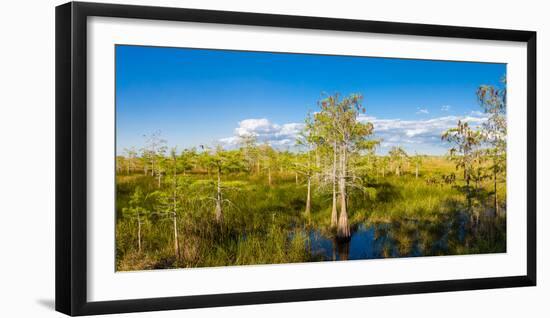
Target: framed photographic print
(209, 158)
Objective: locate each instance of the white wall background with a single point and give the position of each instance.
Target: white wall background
(27, 158)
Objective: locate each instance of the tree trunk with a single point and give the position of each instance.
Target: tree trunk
(334, 214)
(296, 177)
(269, 176)
(176, 242)
(159, 174)
(317, 164)
(308, 201)
(218, 211)
(343, 231)
(468, 184)
(139, 233)
(416, 171)
(397, 173)
(468, 190)
(495, 186)
(175, 202)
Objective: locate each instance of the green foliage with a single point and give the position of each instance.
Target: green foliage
(264, 222)
(264, 225)
(398, 157)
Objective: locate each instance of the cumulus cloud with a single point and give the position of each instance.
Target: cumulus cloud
(279, 136)
(423, 136)
(476, 113)
(422, 111)
(417, 134)
(446, 108)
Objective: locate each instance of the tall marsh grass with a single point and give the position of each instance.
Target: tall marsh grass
(265, 224)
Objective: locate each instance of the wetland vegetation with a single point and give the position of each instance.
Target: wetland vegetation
(332, 196)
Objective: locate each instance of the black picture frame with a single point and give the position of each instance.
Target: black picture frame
(71, 157)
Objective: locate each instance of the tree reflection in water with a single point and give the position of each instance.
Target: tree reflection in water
(411, 238)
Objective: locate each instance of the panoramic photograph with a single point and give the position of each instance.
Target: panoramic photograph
(228, 158)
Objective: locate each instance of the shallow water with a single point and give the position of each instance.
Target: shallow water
(406, 238)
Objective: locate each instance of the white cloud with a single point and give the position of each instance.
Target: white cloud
(422, 136)
(417, 135)
(476, 113)
(422, 111)
(415, 132)
(446, 108)
(279, 136)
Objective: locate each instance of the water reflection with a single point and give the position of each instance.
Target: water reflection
(410, 238)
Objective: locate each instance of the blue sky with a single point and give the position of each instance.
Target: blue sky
(196, 96)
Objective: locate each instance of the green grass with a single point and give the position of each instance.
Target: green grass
(266, 225)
